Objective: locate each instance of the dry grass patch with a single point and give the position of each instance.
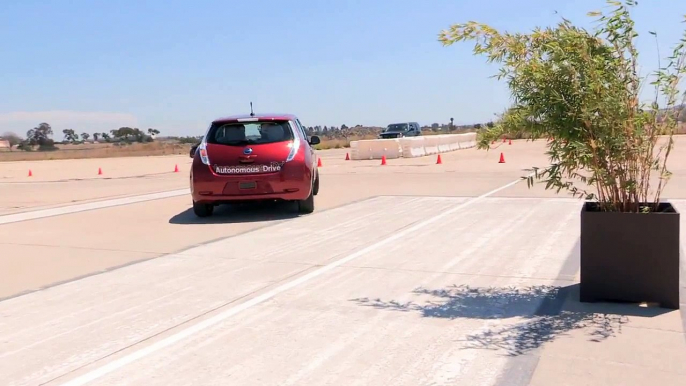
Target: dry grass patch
(97, 150)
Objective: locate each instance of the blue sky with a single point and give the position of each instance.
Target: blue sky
(96, 65)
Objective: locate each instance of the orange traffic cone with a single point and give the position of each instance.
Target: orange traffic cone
(99, 171)
(439, 160)
(504, 140)
(30, 173)
(502, 159)
(176, 168)
(319, 162)
(347, 157)
(383, 160)
(510, 142)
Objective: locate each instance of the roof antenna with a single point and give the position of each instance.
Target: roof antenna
(251, 113)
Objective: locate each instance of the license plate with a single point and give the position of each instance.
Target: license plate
(247, 185)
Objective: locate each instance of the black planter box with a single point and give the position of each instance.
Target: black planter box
(630, 257)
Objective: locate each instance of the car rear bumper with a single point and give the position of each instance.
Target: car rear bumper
(208, 187)
(211, 198)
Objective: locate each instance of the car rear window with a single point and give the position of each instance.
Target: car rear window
(397, 127)
(249, 133)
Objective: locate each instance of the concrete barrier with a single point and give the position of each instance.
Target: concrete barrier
(410, 147)
(431, 143)
(444, 142)
(467, 142)
(454, 145)
(375, 148)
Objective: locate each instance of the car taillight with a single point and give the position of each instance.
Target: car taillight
(295, 146)
(202, 150)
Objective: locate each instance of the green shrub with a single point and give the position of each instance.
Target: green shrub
(582, 89)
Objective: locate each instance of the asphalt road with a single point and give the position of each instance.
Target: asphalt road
(406, 274)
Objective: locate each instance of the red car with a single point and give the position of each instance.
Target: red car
(254, 157)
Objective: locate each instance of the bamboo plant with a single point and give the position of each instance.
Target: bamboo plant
(580, 90)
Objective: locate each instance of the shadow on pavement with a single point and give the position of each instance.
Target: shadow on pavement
(543, 313)
(241, 213)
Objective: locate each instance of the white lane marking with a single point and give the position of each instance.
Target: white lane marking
(172, 339)
(36, 214)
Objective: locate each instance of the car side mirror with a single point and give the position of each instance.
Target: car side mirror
(314, 140)
(193, 150)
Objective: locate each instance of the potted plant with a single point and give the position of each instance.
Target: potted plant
(579, 90)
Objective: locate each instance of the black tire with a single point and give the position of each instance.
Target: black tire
(307, 205)
(202, 210)
(315, 188)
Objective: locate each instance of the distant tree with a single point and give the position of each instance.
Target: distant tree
(105, 136)
(188, 139)
(343, 127)
(153, 132)
(47, 145)
(122, 133)
(682, 115)
(85, 136)
(140, 136)
(96, 136)
(70, 135)
(490, 124)
(39, 135)
(128, 134)
(25, 145)
(477, 126)
(12, 138)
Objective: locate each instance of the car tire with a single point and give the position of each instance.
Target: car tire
(307, 205)
(202, 210)
(315, 188)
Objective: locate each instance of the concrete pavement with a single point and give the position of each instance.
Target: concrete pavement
(390, 281)
(65, 245)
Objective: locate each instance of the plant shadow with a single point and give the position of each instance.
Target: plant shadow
(541, 314)
(240, 213)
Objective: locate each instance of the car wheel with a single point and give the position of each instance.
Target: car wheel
(315, 188)
(307, 205)
(202, 210)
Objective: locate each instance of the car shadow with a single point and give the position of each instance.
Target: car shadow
(540, 313)
(240, 213)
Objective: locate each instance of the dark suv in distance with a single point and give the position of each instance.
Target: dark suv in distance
(399, 130)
